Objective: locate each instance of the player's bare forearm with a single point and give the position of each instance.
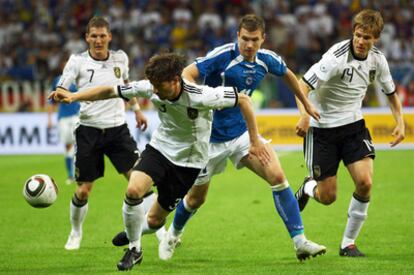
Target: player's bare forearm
(293, 83)
(248, 114)
(257, 147)
(191, 73)
(396, 109)
(305, 90)
(95, 93)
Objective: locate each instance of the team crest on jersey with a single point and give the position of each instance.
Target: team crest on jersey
(372, 75)
(117, 72)
(249, 80)
(192, 113)
(316, 171)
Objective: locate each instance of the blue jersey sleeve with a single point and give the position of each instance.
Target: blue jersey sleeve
(274, 62)
(215, 60)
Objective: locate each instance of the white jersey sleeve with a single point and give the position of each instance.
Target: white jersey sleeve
(322, 71)
(70, 73)
(384, 78)
(211, 98)
(142, 88)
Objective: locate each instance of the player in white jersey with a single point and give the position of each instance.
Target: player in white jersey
(337, 85)
(178, 149)
(243, 64)
(102, 129)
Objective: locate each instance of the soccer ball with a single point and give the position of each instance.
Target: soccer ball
(40, 191)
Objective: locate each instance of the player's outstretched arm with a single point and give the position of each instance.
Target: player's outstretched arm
(257, 147)
(191, 73)
(399, 131)
(293, 83)
(92, 94)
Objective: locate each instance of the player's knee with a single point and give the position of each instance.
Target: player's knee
(195, 201)
(276, 178)
(135, 191)
(364, 187)
(83, 190)
(327, 197)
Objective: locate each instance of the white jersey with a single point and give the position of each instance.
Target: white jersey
(339, 82)
(87, 72)
(184, 132)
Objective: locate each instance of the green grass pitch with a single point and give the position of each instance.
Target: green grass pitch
(236, 232)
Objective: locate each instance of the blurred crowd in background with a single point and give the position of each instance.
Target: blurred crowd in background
(37, 35)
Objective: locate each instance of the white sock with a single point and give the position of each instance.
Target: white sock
(148, 201)
(160, 233)
(77, 216)
(310, 187)
(299, 240)
(133, 219)
(357, 213)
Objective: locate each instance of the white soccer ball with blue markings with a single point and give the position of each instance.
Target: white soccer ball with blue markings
(40, 191)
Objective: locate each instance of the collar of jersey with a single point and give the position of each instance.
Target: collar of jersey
(98, 59)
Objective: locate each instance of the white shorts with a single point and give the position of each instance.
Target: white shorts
(67, 127)
(218, 153)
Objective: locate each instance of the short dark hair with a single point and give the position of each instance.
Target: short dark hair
(164, 67)
(252, 22)
(97, 22)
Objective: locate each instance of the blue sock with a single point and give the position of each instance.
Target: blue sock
(182, 215)
(69, 166)
(288, 209)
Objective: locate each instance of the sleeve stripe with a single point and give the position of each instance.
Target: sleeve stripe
(192, 89)
(310, 85)
(313, 79)
(119, 88)
(237, 96)
(387, 94)
(342, 48)
(338, 54)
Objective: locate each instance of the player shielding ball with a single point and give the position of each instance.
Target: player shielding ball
(337, 85)
(243, 65)
(178, 149)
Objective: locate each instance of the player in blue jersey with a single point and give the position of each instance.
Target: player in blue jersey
(243, 65)
(67, 115)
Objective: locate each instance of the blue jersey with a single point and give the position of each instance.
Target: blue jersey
(66, 110)
(224, 66)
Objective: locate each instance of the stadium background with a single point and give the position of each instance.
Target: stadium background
(36, 35)
(236, 232)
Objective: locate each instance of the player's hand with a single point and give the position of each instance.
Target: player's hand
(398, 134)
(62, 96)
(260, 151)
(302, 126)
(141, 120)
(312, 111)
